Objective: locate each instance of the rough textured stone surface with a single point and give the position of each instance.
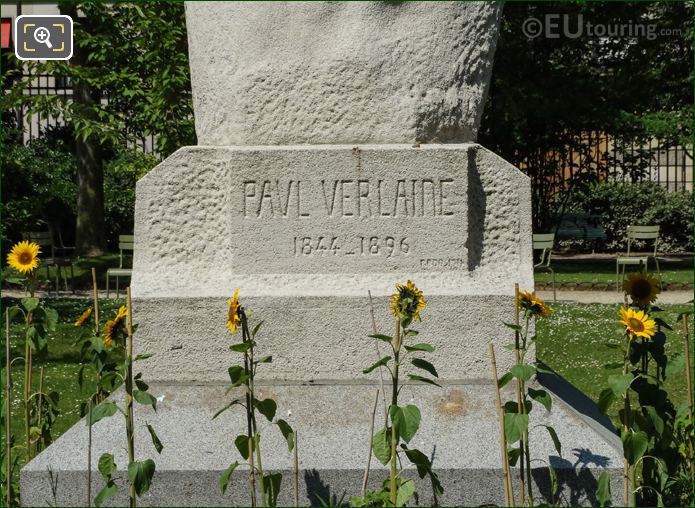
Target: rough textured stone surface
(459, 432)
(306, 232)
(339, 72)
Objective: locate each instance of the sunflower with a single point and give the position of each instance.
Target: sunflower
(233, 318)
(637, 323)
(112, 326)
(529, 301)
(408, 301)
(641, 287)
(24, 256)
(84, 317)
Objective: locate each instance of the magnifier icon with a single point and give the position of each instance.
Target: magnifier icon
(43, 36)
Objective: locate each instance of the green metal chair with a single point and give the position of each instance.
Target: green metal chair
(637, 233)
(544, 242)
(126, 243)
(44, 239)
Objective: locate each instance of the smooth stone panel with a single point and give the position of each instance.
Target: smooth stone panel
(459, 432)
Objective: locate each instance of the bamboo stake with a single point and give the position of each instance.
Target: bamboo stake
(8, 415)
(371, 442)
(689, 373)
(296, 471)
(519, 400)
(89, 454)
(95, 291)
(378, 355)
(39, 401)
(508, 494)
(626, 415)
(130, 431)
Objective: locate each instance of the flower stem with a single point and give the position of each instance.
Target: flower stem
(129, 420)
(394, 403)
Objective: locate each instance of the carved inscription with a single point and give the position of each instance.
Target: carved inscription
(360, 198)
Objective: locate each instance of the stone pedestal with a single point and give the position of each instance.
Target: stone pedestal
(458, 433)
(322, 177)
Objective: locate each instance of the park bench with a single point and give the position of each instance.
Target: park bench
(579, 226)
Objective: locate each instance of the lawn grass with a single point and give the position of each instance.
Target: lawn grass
(572, 342)
(61, 364)
(597, 271)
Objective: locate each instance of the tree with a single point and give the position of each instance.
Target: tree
(130, 79)
(545, 93)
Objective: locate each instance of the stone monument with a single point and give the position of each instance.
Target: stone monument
(336, 157)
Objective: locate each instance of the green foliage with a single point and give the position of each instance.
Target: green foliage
(645, 203)
(650, 422)
(633, 88)
(137, 55)
(248, 444)
(404, 420)
(38, 186)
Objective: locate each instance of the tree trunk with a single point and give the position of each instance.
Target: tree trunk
(90, 239)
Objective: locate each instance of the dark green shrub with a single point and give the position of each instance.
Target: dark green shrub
(644, 203)
(38, 185)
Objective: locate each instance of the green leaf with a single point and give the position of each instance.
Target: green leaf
(554, 484)
(51, 318)
(143, 356)
(30, 304)
(237, 375)
(385, 338)
(406, 420)
(145, 398)
(108, 491)
(603, 492)
(654, 418)
(541, 396)
(103, 410)
(516, 328)
(271, 485)
(405, 492)
(155, 440)
(515, 425)
(141, 385)
(513, 454)
(265, 359)
(232, 403)
(287, 432)
(634, 445)
(613, 365)
(256, 328)
(427, 348)
(411, 333)
(523, 371)
(266, 407)
(619, 383)
(424, 365)
(424, 467)
(378, 364)
(242, 444)
(226, 475)
(381, 445)
(242, 347)
(675, 364)
(556, 440)
(505, 379)
(140, 475)
(413, 377)
(107, 466)
(605, 399)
